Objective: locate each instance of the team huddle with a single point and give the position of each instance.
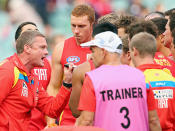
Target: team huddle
(113, 74)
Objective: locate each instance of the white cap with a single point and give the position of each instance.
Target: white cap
(107, 40)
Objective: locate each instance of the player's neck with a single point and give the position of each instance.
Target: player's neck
(165, 51)
(146, 60)
(79, 43)
(112, 60)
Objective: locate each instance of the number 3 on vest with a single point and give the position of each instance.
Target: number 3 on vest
(126, 117)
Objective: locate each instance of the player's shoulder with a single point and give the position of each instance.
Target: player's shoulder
(80, 71)
(59, 45)
(84, 67)
(57, 52)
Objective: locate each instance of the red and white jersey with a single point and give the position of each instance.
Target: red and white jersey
(72, 53)
(163, 86)
(167, 64)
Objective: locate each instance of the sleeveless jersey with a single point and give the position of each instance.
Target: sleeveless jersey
(163, 86)
(167, 64)
(43, 73)
(121, 101)
(72, 53)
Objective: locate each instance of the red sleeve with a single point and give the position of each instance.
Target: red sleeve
(150, 100)
(6, 82)
(87, 98)
(50, 105)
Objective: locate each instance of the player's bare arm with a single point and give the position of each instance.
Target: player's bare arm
(86, 118)
(56, 76)
(154, 123)
(77, 83)
(57, 70)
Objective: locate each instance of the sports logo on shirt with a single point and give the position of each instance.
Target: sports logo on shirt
(24, 90)
(162, 62)
(162, 96)
(73, 59)
(41, 73)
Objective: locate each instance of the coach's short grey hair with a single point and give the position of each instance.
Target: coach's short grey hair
(26, 38)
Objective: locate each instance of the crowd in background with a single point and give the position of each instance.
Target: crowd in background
(52, 16)
(147, 42)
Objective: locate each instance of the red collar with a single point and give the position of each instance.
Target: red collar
(149, 66)
(17, 62)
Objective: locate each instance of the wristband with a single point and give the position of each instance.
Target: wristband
(67, 85)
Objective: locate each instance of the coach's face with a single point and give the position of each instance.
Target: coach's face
(97, 56)
(38, 51)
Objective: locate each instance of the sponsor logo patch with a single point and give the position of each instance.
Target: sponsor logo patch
(73, 59)
(162, 97)
(41, 73)
(24, 90)
(161, 94)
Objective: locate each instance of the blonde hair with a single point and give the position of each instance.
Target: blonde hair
(83, 10)
(111, 18)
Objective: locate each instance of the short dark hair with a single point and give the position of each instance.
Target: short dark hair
(168, 12)
(160, 22)
(125, 20)
(160, 14)
(106, 26)
(125, 41)
(19, 29)
(142, 26)
(172, 21)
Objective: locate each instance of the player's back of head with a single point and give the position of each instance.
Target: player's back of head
(145, 43)
(155, 14)
(19, 29)
(109, 18)
(160, 23)
(142, 26)
(102, 27)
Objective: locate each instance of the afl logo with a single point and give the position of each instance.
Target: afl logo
(73, 59)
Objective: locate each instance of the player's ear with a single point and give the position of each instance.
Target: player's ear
(135, 51)
(128, 55)
(104, 51)
(161, 37)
